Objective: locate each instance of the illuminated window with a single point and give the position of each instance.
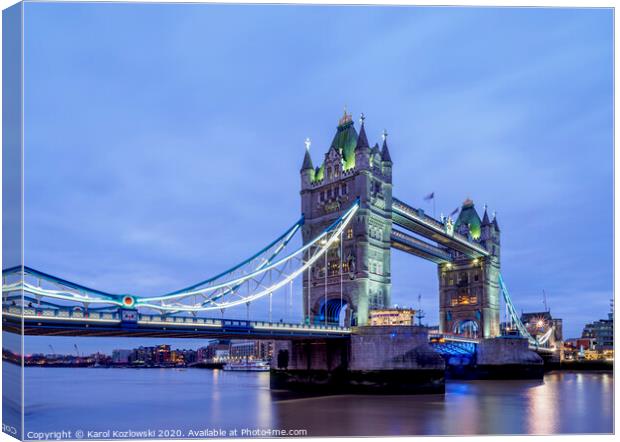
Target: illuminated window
(350, 233)
(333, 268)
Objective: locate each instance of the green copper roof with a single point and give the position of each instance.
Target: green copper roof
(469, 217)
(319, 173)
(344, 142)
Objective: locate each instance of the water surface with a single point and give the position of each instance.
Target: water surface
(97, 399)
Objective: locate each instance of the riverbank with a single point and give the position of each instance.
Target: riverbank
(202, 365)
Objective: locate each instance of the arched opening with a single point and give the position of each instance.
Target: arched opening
(467, 328)
(337, 312)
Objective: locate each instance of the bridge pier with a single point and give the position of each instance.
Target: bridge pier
(375, 360)
(500, 358)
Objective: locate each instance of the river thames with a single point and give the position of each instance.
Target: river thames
(174, 402)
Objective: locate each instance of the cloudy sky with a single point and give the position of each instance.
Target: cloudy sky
(163, 142)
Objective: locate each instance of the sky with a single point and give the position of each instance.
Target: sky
(163, 142)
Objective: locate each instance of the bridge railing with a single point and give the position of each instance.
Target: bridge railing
(54, 313)
(295, 326)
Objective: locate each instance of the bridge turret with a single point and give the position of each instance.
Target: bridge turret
(386, 158)
(307, 169)
(490, 234)
(469, 286)
(486, 226)
(495, 234)
(362, 148)
(358, 268)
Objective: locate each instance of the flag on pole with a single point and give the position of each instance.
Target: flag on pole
(454, 212)
(430, 196)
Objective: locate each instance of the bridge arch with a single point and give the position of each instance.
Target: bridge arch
(468, 328)
(333, 310)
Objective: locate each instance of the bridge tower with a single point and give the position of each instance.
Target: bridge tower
(469, 290)
(357, 274)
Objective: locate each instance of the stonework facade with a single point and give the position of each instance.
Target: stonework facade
(469, 292)
(359, 266)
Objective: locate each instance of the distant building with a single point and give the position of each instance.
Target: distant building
(143, 356)
(162, 355)
(242, 349)
(222, 354)
(206, 354)
(255, 349)
(392, 316)
(121, 356)
(601, 333)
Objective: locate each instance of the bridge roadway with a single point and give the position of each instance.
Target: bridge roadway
(57, 322)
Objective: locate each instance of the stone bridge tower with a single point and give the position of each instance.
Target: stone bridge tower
(357, 274)
(469, 287)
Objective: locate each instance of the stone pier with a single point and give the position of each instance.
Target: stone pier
(375, 360)
(501, 358)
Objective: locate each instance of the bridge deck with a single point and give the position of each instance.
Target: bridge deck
(417, 247)
(428, 227)
(53, 322)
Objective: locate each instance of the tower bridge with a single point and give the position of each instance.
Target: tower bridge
(466, 250)
(350, 223)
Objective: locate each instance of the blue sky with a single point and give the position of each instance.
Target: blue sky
(163, 142)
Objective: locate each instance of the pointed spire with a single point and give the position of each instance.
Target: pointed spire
(362, 139)
(345, 119)
(307, 159)
(485, 218)
(375, 149)
(385, 152)
(495, 221)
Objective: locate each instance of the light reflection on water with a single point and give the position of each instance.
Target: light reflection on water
(98, 399)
